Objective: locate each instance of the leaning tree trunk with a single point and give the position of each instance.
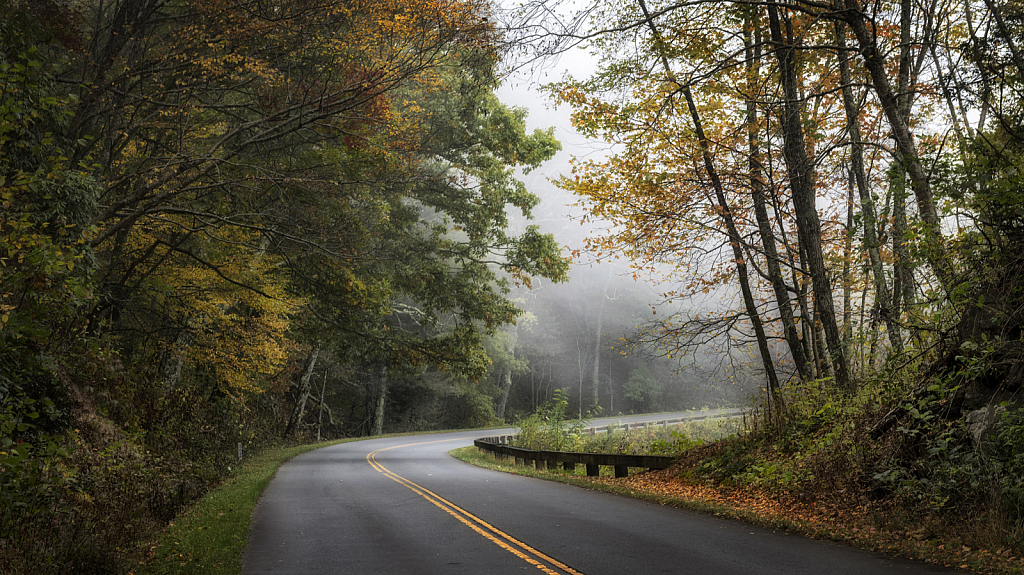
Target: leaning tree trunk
(933, 240)
(735, 240)
(302, 390)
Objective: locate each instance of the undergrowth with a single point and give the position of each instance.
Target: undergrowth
(924, 475)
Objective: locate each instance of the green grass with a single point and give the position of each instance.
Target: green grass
(210, 537)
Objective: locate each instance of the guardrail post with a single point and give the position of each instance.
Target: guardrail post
(568, 466)
(593, 470)
(538, 464)
(621, 471)
(520, 461)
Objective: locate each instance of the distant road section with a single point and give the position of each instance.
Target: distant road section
(402, 505)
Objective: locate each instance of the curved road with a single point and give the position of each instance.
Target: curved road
(403, 505)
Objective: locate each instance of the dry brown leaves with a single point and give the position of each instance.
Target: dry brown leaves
(844, 517)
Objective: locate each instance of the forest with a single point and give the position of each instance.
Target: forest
(228, 224)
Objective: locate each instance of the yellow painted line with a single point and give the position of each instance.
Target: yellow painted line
(495, 535)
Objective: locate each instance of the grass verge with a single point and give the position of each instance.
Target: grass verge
(210, 537)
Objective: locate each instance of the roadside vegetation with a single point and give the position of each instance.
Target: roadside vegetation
(831, 194)
(820, 467)
(210, 536)
(552, 428)
(225, 229)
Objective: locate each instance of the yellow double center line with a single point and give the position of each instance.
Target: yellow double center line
(498, 537)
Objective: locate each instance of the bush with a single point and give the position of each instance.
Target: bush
(550, 428)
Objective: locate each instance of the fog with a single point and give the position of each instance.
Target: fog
(590, 324)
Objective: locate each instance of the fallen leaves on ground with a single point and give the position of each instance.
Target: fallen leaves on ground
(842, 517)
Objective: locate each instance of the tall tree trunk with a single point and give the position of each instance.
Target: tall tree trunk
(782, 300)
(174, 361)
(827, 368)
(599, 335)
(804, 200)
(933, 241)
(323, 406)
(903, 272)
(506, 387)
(798, 288)
(735, 239)
(302, 390)
(806, 325)
(867, 202)
(379, 378)
(847, 267)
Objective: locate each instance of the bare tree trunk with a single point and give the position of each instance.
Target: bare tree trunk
(302, 390)
(533, 389)
(903, 272)
(506, 387)
(806, 327)
(597, 353)
(599, 334)
(322, 406)
(174, 361)
(800, 177)
(847, 266)
(819, 343)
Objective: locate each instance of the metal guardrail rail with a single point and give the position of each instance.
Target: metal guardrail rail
(500, 445)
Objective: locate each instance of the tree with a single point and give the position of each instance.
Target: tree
(770, 139)
(206, 203)
(643, 389)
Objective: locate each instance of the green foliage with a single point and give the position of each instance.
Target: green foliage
(550, 427)
(180, 214)
(1008, 460)
(35, 471)
(643, 389)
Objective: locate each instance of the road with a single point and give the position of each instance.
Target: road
(402, 505)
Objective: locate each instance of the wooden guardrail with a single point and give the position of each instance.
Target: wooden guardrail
(569, 459)
(500, 445)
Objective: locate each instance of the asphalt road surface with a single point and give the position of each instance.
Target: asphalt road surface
(402, 505)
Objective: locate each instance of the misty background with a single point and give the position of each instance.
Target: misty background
(580, 336)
